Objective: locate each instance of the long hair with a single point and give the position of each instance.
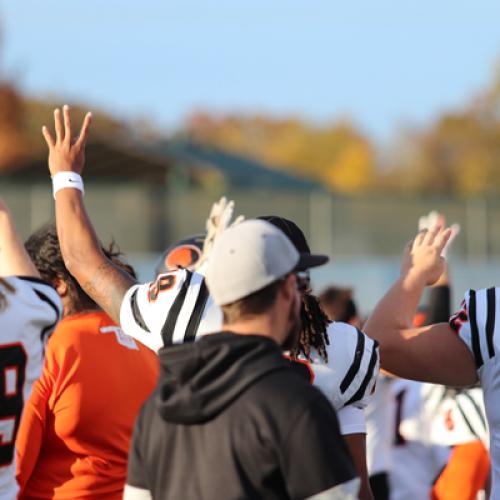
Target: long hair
(314, 328)
(43, 248)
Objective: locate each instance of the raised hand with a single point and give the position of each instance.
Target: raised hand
(423, 256)
(66, 152)
(436, 219)
(218, 221)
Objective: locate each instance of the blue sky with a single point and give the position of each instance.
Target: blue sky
(383, 63)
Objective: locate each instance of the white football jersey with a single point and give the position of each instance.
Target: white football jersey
(177, 308)
(455, 416)
(380, 415)
(27, 318)
(352, 367)
(476, 325)
(416, 463)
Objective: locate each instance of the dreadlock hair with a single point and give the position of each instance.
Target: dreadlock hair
(43, 248)
(314, 328)
(9, 288)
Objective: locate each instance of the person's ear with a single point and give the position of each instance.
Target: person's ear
(61, 286)
(289, 287)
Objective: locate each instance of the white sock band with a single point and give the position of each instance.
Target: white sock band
(63, 180)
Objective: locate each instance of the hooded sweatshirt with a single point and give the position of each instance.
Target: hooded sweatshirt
(230, 419)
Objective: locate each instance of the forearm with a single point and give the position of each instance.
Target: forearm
(428, 354)
(100, 278)
(357, 447)
(14, 260)
(80, 247)
(395, 311)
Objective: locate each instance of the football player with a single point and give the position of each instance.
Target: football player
(59, 455)
(459, 353)
(177, 307)
(29, 311)
(454, 417)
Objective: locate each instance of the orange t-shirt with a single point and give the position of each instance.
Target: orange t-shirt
(76, 427)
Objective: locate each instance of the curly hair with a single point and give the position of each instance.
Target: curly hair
(43, 248)
(314, 328)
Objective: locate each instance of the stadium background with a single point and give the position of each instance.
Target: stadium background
(351, 121)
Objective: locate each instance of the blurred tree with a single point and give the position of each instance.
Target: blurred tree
(21, 120)
(339, 155)
(13, 144)
(460, 153)
(38, 112)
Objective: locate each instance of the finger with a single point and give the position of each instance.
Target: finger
(84, 131)
(442, 239)
(58, 125)
(419, 238)
(455, 231)
(432, 218)
(422, 223)
(48, 137)
(431, 235)
(67, 124)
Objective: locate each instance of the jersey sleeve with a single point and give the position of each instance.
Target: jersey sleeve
(43, 302)
(151, 308)
(475, 323)
(354, 360)
(351, 420)
(175, 308)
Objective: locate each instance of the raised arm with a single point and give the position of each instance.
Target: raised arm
(439, 297)
(14, 260)
(432, 353)
(101, 279)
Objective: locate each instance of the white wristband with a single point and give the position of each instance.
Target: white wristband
(63, 180)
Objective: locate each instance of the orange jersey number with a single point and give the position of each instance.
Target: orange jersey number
(163, 283)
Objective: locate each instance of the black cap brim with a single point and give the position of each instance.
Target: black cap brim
(308, 260)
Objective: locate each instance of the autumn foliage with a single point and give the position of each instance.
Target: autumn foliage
(338, 154)
(458, 154)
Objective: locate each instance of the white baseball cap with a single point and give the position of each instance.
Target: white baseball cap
(248, 257)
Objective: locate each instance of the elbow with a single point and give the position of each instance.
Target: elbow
(390, 357)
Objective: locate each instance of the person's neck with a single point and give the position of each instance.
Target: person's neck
(256, 325)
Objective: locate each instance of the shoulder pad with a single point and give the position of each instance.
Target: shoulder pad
(349, 376)
(475, 323)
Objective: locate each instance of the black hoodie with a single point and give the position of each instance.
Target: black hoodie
(230, 419)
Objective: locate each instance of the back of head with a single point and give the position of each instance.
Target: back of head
(247, 258)
(338, 304)
(43, 249)
(245, 267)
(183, 254)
